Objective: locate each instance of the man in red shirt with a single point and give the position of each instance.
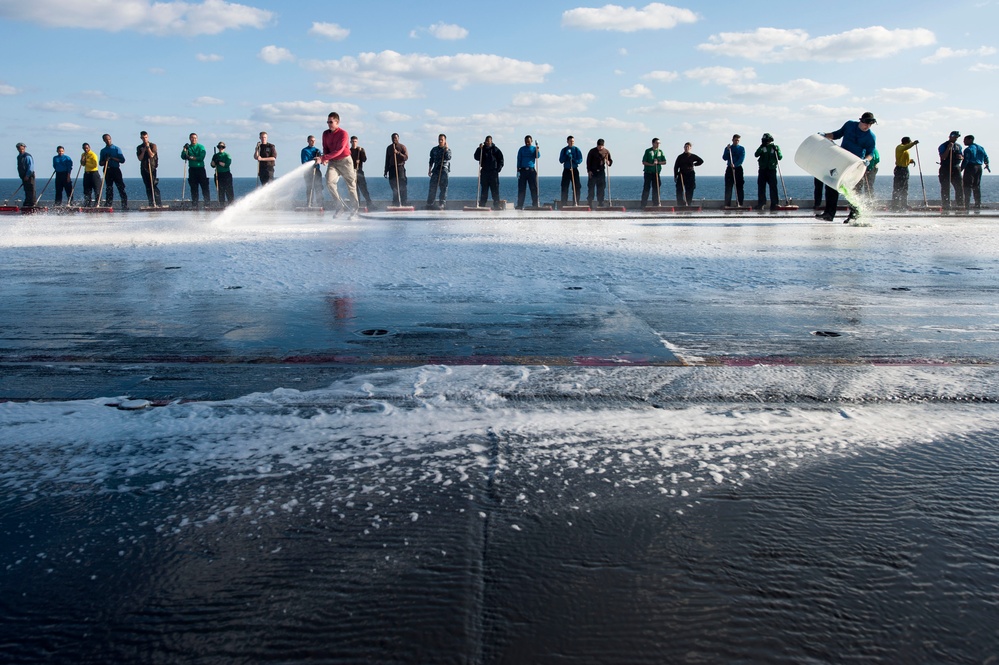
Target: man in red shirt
(336, 155)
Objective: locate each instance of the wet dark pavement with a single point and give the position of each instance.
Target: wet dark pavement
(505, 440)
(163, 323)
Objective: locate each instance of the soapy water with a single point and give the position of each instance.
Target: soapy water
(397, 431)
(279, 194)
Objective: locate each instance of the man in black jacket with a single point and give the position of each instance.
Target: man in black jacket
(490, 160)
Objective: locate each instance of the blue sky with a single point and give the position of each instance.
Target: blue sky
(694, 72)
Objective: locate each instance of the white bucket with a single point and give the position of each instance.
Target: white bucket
(828, 162)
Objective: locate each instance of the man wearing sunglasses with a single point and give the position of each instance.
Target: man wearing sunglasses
(336, 155)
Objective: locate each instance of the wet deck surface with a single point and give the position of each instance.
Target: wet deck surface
(503, 439)
(152, 313)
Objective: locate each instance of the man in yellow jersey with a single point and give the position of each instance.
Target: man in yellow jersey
(91, 176)
(900, 185)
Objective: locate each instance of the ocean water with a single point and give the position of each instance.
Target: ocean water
(799, 188)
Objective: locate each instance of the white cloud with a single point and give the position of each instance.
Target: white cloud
(654, 16)
(8, 89)
(329, 31)
(622, 51)
(713, 109)
(487, 123)
(838, 113)
(983, 67)
(93, 94)
(66, 127)
(791, 90)
(101, 115)
(945, 53)
(392, 75)
(542, 101)
(157, 71)
(447, 31)
(636, 91)
(275, 55)
(720, 75)
(662, 76)
(209, 57)
(778, 45)
(442, 31)
(947, 116)
(189, 19)
(53, 107)
(208, 101)
(905, 95)
(302, 112)
(243, 123)
(392, 116)
(167, 120)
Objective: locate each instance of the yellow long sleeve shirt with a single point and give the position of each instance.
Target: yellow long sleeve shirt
(902, 157)
(89, 161)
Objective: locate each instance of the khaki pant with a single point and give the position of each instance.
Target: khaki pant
(342, 167)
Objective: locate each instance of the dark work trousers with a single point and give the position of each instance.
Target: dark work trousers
(686, 182)
(527, 178)
(224, 188)
(596, 181)
(114, 178)
(972, 185)
(766, 178)
(197, 177)
(832, 202)
(63, 183)
(734, 176)
(490, 183)
(362, 187)
(400, 195)
(951, 178)
(265, 173)
(29, 191)
(570, 180)
(817, 188)
(91, 187)
(651, 183)
(438, 184)
(900, 189)
(152, 184)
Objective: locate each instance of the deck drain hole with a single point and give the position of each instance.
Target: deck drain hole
(900, 288)
(374, 332)
(825, 333)
(573, 288)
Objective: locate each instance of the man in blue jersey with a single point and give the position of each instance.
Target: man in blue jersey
(26, 172)
(527, 172)
(974, 159)
(734, 155)
(859, 140)
(111, 158)
(313, 175)
(570, 158)
(62, 166)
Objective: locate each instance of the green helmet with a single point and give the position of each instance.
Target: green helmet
(767, 138)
